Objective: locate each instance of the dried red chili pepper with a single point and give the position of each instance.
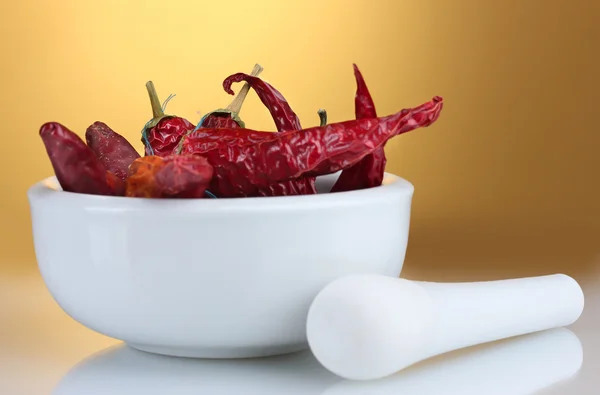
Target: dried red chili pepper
(206, 139)
(162, 133)
(76, 167)
(364, 107)
(240, 169)
(203, 140)
(229, 117)
(113, 150)
(285, 120)
(369, 171)
(174, 176)
(283, 115)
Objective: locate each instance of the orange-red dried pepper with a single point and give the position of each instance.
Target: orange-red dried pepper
(174, 176)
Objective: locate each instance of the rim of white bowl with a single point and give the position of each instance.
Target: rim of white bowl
(49, 189)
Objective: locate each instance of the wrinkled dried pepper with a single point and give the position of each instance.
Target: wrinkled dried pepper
(174, 176)
(113, 150)
(283, 115)
(204, 140)
(229, 117)
(162, 133)
(76, 167)
(369, 171)
(242, 168)
(285, 120)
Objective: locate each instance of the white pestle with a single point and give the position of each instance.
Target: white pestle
(364, 327)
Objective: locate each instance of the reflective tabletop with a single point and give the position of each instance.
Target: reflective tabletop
(43, 351)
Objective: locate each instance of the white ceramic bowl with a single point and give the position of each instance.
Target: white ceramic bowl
(214, 278)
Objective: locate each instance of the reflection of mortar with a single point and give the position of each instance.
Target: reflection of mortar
(517, 366)
(123, 371)
(520, 366)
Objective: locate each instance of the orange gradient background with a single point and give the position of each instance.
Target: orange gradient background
(509, 177)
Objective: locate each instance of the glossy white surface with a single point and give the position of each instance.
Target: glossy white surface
(535, 362)
(365, 327)
(211, 277)
(43, 352)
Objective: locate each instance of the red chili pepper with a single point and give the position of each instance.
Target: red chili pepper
(174, 176)
(285, 120)
(162, 134)
(283, 115)
(76, 167)
(113, 150)
(369, 171)
(240, 169)
(364, 107)
(229, 117)
(203, 140)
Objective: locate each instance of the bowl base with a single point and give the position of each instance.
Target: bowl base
(219, 352)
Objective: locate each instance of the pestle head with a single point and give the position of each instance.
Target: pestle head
(365, 327)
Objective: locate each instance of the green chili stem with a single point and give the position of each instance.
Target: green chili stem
(236, 104)
(322, 116)
(157, 111)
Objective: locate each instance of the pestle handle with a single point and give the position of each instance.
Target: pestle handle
(369, 326)
(473, 313)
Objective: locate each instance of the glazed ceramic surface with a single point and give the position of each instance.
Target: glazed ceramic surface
(216, 278)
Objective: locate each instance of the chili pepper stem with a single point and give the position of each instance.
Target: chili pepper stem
(236, 105)
(157, 111)
(322, 117)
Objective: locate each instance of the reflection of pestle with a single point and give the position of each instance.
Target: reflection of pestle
(369, 326)
(519, 366)
(124, 371)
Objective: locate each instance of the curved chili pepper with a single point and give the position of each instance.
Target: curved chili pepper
(162, 133)
(283, 115)
(113, 150)
(242, 168)
(369, 171)
(229, 117)
(174, 176)
(76, 167)
(225, 118)
(285, 119)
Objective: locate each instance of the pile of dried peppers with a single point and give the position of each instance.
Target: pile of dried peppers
(220, 157)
